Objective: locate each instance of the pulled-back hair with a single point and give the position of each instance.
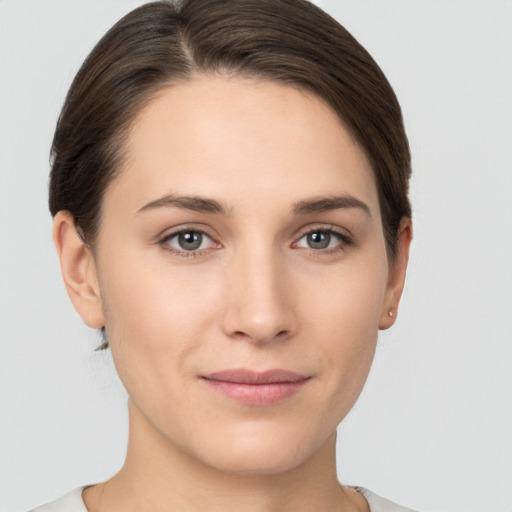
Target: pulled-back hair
(163, 43)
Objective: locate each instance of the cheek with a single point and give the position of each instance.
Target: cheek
(156, 313)
(156, 323)
(346, 316)
(349, 299)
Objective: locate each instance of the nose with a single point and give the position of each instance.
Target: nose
(259, 299)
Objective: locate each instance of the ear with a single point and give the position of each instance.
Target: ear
(396, 278)
(78, 270)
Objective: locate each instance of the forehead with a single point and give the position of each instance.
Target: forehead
(233, 137)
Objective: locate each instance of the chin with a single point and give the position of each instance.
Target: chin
(259, 461)
(265, 452)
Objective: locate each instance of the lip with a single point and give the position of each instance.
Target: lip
(256, 388)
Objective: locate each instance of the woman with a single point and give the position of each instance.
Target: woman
(229, 191)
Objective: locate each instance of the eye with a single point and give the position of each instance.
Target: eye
(320, 239)
(188, 241)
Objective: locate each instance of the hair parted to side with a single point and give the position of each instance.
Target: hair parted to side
(162, 43)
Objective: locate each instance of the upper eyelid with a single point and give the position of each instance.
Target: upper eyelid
(345, 240)
(176, 233)
(171, 232)
(342, 232)
(164, 243)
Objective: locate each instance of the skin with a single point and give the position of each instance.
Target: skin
(255, 295)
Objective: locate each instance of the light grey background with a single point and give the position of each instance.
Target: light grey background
(433, 428)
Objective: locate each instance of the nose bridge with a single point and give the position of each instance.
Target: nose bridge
(258, 306)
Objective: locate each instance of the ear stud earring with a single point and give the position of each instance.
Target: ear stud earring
(390, 313)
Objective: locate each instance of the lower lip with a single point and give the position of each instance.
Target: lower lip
(257, 394)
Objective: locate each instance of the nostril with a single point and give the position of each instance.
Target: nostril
(262, 337)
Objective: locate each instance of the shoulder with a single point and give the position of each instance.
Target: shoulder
(71, 502)
(380, 504)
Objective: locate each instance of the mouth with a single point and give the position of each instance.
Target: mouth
(256, 388)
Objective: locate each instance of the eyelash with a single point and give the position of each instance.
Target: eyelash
(344, 241)
(164, 242)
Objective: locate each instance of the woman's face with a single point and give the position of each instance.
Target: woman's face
(242, 273)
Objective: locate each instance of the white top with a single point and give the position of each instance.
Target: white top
(72, 502)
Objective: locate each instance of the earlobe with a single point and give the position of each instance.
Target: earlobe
(397, 273)
(78, 269)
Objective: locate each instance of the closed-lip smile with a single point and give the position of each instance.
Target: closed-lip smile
(256, 387)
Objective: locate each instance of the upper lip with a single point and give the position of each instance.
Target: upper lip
(244, 376)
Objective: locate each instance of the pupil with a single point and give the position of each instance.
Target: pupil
(319, 240)
(190, 240)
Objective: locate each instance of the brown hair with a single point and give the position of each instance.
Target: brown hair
(161, 43)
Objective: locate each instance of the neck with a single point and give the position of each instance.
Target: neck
(158, 476)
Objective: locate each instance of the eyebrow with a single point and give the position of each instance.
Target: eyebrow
(194, 203)
(324, 204)
(303, 207)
